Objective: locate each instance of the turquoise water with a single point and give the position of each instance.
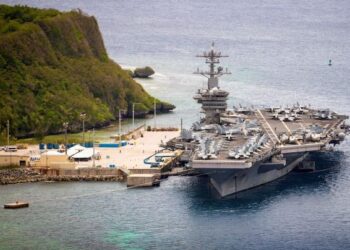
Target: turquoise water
(279, 52)
(300, 211)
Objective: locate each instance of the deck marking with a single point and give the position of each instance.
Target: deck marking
(290, 132)
(301, 125)
(258, 110)
(285, 125)
(335, 124)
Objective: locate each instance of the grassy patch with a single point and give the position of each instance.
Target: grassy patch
(9, 167)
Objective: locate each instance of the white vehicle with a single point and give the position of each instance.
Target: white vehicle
(11, 148)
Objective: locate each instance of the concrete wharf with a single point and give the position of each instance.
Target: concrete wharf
(115, 163)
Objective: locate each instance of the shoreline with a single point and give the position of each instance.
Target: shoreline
(76, 137)
(29, 175)
(98, 127)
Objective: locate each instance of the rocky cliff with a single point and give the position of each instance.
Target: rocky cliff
(54, 66)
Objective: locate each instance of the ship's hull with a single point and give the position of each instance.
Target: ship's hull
(230, 181)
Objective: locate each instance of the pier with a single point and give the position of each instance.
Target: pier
(139, 162)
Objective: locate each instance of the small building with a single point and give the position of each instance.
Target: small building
(54, 159)
(9, 159)
(74, 150)
(86, 155)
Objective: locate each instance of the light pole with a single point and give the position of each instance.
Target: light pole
(8, 132)
(93, 147)
(83, 116)
(181, 128)
(65, 125)
(120, 126)
(133, 114)
(155, 113)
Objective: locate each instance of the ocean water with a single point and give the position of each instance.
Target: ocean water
(279, 52)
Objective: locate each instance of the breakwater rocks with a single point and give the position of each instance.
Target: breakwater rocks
(25, 175)
(85, 178)
(19, 175)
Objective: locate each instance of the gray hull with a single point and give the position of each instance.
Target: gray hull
(231, 181)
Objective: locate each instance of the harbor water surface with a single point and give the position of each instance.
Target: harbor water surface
(279, 53)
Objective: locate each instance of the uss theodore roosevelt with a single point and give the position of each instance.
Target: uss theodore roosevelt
(241, 148)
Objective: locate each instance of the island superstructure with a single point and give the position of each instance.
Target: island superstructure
(212, 98)
(240, 148)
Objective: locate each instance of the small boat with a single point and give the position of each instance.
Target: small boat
(17, 204)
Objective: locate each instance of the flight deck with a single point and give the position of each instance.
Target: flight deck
(252, 135)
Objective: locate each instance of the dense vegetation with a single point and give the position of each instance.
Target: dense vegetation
(53, 67)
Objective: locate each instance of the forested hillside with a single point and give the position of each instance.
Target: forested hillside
(53, 67)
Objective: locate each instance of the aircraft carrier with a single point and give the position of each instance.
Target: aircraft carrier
(243, 147)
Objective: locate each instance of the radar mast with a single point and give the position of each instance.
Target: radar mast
(212, 98)
(212, 57)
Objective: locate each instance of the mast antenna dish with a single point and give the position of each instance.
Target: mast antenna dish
(212, 58)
